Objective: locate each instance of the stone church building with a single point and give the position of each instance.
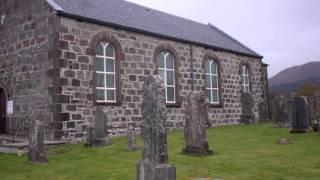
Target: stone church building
(60, 59)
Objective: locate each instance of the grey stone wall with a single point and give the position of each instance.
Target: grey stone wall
(26, 40)
(76, 68)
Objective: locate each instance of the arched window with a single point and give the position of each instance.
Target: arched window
(212, 81)
(166, 69)
(245, 78)
(105, 73)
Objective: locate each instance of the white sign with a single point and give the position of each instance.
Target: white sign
(10, 107)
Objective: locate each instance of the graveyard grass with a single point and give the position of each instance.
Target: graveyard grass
(241, 152)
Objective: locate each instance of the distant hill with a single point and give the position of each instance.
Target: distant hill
(292, 78)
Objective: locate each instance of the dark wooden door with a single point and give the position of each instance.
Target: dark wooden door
(3, 104)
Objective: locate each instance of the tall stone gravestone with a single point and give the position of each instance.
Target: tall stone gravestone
(281, 112)
(247, 116)
(154, 164)
(131, 138)
(318, 110)
(37, 150)
(300, 115)
(97, 134)
(263, 112)
(312, 112)
(196, 110)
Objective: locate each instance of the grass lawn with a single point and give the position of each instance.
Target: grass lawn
(241, 152)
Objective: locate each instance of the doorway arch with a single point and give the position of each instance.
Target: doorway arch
(3, 111)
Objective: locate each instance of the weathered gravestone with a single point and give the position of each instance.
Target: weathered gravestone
(196, 110)
(318, 110)
(131, 138)
(300, 115)
(37, 150)
(312, 113)
(154, 164)
(97, 135)
(247, 116)
(281, 112)
(263, 112)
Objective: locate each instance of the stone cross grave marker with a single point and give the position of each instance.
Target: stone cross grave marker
(300, 115)
(154, 164)
(247, 116)
(196, 110)
(37, 150)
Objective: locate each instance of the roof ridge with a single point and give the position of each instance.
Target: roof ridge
(232, 38)
(159, 11)
(181, 28)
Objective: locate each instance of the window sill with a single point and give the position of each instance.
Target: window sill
(108, 103)
(216, 105)
(173, 105)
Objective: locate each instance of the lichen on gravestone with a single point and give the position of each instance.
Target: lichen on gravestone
(37, 151)
(154, 164)
(196, 113)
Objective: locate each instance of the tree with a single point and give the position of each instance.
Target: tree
(308, 90)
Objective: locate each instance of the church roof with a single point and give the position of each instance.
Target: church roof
(137, 18)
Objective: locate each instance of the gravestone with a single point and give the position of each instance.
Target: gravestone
(90, 136)
(97, 135)
(37, 148)
(312, 112)
(263, 112)
(300, 115)
(247, 116)
(131, 138)
(318, 110)
(281, 112)
(196, 110)
(154, 164)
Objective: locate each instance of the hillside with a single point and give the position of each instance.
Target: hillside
(290, 79)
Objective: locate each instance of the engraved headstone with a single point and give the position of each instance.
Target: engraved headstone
(37, 150)
(90, 136)
(247, 116)
(263, 111)
(281, 112)
(131, 138)
(318, 110)
(196, 110)
(100, 130)
(300, 115)
(154, 164)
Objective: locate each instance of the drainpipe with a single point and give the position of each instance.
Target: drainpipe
(191, 67)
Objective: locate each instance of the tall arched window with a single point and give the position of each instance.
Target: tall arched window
(212, 81)
(166, 69)
(105, 73)
(245, 78)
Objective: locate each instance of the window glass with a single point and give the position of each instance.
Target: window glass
(212, 81)
(245, 79)
(165, 64)
(105, 73)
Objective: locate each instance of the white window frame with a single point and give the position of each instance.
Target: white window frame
(245, 74)
(165, 54)
(211, 75)
(105, 73)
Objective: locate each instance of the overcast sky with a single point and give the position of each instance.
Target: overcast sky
(285, 32)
